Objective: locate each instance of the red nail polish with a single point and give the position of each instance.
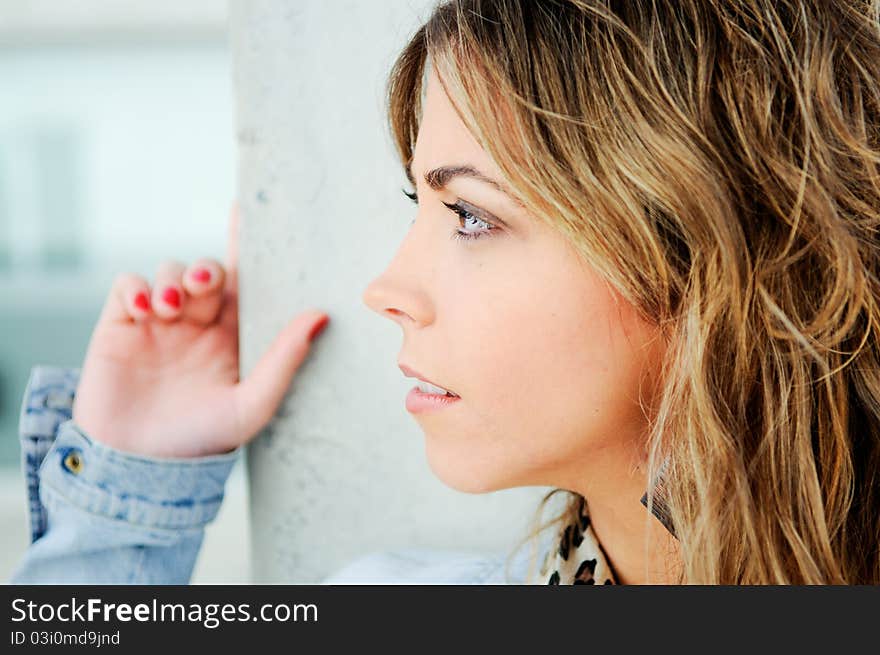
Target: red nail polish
(141, 301)
(201, 275)
(172, 297)
(318, 328)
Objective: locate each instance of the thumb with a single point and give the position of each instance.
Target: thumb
(263, 390)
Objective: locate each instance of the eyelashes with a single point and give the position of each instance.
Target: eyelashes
(465, 217)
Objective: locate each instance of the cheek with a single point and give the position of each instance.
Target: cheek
(560, 373)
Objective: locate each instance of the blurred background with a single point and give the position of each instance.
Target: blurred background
(117, 151)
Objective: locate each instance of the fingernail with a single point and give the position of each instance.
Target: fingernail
(318, 328)
(201, 275)
(171, 297)
(141, 301)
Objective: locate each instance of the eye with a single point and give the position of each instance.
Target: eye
(467, 218)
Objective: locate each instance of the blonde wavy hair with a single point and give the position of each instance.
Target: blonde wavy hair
(717, 162)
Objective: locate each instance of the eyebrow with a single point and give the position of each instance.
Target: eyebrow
(438, 178)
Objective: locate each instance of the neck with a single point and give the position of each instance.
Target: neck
(638, 554)
(637, 545)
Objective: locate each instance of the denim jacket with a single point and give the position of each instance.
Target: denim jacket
(102, 516)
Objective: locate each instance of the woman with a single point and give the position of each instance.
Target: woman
(662, 286)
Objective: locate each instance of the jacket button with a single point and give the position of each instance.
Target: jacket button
(73, 462)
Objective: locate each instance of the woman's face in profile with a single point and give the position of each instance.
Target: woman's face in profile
(496, 307)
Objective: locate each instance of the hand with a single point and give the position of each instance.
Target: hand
(161, 377)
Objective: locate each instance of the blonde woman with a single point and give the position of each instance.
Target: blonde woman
(643, 270)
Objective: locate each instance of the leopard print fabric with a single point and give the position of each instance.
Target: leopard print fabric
(577, 559)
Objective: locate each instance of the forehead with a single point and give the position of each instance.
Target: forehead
(443, 137)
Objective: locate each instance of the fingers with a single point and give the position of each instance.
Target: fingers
(128, 300)
(193, 293)
(168, 293)
(203, 282)
(259, 395)
(198, 293)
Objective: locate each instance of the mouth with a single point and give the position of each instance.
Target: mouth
(418, 401)
(427, 396)
(426, 386)
(433, 389)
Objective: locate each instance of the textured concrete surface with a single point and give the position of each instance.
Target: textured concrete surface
(341, 470)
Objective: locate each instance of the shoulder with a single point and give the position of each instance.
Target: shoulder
(418, 566)
(434, 566)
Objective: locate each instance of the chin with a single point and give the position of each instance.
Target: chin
(462, 472)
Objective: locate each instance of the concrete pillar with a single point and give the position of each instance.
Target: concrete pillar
(341, 469)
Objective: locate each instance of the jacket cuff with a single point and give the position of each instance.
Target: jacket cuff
(46, 404)
(152, 492)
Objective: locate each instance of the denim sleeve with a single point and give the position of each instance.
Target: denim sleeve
(102, 516)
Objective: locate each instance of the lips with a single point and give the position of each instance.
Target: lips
(412, 373)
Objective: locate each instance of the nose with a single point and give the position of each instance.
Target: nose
(399, 294)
